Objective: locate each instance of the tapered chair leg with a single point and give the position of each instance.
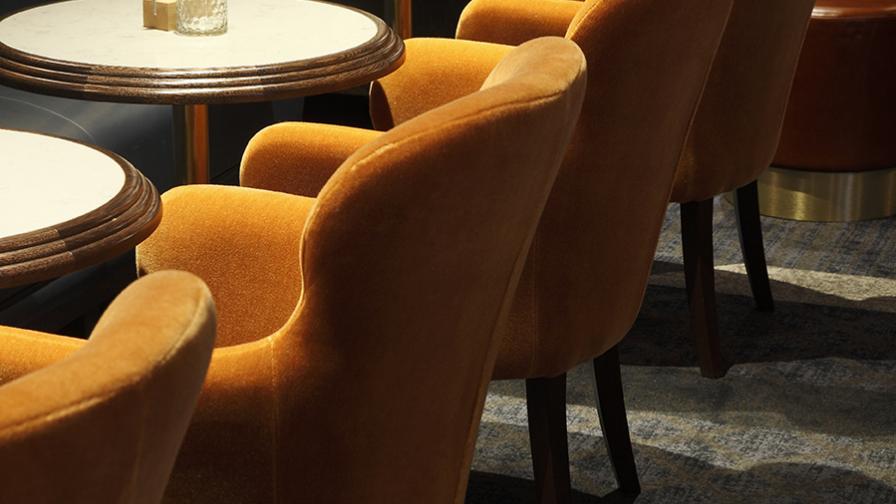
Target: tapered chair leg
(696, 241)
(546, 404)
(746, 204)
(614, 422)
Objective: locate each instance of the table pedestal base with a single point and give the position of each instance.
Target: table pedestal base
(191, 144)
(402, 23)
(827, 196)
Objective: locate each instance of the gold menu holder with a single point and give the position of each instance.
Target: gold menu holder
(160, 14)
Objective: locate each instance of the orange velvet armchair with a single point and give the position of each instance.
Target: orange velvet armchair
(359, 327)
(86, 422)
(586, 276)
(733, 140)
(585, 279)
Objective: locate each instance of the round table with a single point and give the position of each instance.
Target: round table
(273, 49)
(65, 205)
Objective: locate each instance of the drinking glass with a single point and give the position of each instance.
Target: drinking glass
(201, 17)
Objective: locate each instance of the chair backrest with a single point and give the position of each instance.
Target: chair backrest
(105, 423)
(738, 124)
(409, 261)
(648, 61)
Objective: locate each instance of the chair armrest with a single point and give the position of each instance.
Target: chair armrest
(299, 158)
(435, 72)
(513, 22)
(244, 243)
(23, 351)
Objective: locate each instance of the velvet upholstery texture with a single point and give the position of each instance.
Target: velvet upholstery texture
(394, 280)
(648, 64)
(100, 421)
(738, 125)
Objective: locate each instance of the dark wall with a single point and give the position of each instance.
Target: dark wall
(437, 18)
(14, 5)
(432, 18)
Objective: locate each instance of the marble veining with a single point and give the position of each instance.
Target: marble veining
(260, 32)
(46, 181)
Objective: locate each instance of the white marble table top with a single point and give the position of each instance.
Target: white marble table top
(260, 32)
(45, 181)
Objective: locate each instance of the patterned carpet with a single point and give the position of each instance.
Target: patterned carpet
(807, 414)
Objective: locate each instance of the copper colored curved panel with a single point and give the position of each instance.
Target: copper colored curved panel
(842, 111)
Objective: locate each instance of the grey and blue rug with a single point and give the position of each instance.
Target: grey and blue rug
(807, 413)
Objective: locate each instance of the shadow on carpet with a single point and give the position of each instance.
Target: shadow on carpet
(806, 413)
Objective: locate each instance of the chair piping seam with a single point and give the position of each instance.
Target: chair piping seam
(89, 401)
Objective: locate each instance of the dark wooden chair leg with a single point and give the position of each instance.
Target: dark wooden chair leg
(696, 241)
(746, 204)
(614, 422)
(546, 404)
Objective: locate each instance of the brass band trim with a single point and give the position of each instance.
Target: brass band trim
(402, 24)
(196, 145)
(827, 196)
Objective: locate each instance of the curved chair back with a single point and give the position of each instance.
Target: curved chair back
(409, 261)
(104, 424)
(738, 124)
(648, 63)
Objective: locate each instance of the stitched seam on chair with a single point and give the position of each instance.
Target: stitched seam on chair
(535, 261)
(573, 29)
(92, 400)
(275, 419)
(302, 295)
(434, 130)
(475, 115)
(483, 382)
(695, 104)
(140, 444)
(74, 408)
